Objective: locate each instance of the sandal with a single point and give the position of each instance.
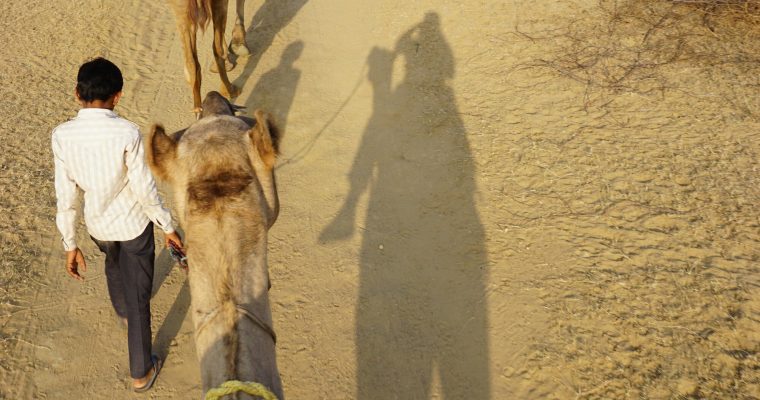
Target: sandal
(157, 363)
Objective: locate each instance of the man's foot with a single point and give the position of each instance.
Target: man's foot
(142, 382)
(146, 382)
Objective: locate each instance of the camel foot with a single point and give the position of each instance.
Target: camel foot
(240, 50)
(197, 111)
(238, 46)
(228, 65)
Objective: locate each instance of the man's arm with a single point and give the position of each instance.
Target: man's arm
(65, 219)
(66, 195)
(143, 185)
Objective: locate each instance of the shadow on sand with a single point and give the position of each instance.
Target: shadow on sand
(173, 322)
(269, 20)
(422, 311)
(275, 90)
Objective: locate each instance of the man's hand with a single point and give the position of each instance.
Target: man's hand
(75, 260)
(172, 237)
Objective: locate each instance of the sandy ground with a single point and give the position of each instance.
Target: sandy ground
(488, 200)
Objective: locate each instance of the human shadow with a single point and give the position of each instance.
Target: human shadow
(173, 322)
(421, 307)
(163, 267)
(269, 20)
(275, 90)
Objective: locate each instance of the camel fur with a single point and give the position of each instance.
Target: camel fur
(194, 14)
(221, 171)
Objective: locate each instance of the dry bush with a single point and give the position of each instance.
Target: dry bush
(654, 47)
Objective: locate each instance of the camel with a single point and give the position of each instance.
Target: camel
(194, 14)
(221, 172)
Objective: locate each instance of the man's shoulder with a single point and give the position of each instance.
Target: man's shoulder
(126, 122)
(130, 128)
(116, 121)
(63, 127)
(111, 125)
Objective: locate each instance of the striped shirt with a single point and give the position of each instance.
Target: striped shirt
(102, 153)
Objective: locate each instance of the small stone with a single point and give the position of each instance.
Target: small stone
(686, 387)
(682, 180)
(380, 247)
(642, 177)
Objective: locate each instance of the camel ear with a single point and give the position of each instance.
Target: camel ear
(161, 152)
(265, 138)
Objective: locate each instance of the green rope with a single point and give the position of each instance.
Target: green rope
(230, 387)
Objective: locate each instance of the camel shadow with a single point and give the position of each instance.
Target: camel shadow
(421, 312)
(268, 21)
(275, 90)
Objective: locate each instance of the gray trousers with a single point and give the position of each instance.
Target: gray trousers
(129, 276)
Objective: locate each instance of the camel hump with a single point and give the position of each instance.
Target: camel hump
(199, 12)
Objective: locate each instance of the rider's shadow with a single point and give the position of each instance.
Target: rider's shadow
(421, 308)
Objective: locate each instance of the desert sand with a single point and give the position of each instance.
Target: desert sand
(480, 199)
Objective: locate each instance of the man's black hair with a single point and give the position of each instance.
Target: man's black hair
(98, 79)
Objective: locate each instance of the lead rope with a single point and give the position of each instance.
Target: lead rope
(234, 386)
(230, 387)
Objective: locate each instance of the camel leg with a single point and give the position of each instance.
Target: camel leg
(219, 14)
(238, 45)
(192, 67)
(229, 65)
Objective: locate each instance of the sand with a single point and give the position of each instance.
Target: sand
(489, 200)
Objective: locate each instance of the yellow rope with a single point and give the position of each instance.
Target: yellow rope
(230, 387)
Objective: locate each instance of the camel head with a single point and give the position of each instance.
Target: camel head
(218, 158)
(216, 104)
